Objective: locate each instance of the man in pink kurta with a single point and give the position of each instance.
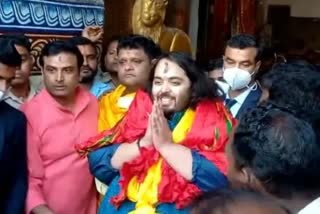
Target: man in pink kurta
(59, 180)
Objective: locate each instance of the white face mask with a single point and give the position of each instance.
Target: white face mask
(223, 86)
(237, 78)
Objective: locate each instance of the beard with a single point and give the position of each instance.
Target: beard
(88, 77)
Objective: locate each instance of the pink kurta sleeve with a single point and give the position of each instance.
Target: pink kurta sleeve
(35, 196)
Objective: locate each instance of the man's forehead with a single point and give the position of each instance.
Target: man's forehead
(241, 54)
(169, 69)
(56, 60)
(21, 49)
(136, 53)
(86, 48)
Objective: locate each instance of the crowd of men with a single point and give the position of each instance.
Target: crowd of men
(151, 132)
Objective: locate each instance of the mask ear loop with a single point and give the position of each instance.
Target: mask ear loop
(255, 85)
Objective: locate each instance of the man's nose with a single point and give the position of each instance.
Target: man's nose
(85, 61)
(59, 76)
(128, 66)
(165, 88)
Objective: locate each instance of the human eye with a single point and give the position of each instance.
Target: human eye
(92, 57)
(230, 62)
(69, 70)
(137, 61)
(156, 82)
(176, 83)
(50, 70)
(246, 64)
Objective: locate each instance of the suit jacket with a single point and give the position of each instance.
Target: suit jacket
(13, 160)
(250, 102)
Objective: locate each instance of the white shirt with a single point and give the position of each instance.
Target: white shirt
(16, 102)
(239, 99)
(312, 208)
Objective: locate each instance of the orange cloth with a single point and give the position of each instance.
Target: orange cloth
(110, 112)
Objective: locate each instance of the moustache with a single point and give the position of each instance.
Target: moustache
(86, 68)
(163, 94)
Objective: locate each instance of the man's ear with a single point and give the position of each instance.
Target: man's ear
(42, 76)
(251, 181)
(41, 70)
(245, 176)
(32, 61)
(153, 62)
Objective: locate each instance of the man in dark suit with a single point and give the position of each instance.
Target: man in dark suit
(13, 163)
(241, 62)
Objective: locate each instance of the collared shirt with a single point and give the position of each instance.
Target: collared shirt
(312, 208)
(58, 176)
(240, 99)
(101, 84)
(16, 102)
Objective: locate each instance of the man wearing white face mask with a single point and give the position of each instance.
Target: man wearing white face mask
(13, 163)
(241, 62)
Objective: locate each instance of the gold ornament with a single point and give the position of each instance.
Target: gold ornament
(148, 20)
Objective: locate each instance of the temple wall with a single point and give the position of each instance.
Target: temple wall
(47, 20)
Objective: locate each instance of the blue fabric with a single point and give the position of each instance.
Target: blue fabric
(175, 119)
(250, 102)
(229, 103)
(205, 175)
(99, 88)
(13, 160)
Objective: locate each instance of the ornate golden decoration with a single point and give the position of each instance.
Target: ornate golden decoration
(148, 20)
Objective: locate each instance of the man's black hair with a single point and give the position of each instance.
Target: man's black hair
(215, 64)
(9, 54)
(243, 41)
(57, 47)
(19, 39)
(222, 200)
(295, 86)
(80, 40)
(280, 149)
(151, 49)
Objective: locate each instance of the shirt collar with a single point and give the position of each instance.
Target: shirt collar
(104, 77)
(32, 92)
(242, 97)
(313, 207)
(82, 100)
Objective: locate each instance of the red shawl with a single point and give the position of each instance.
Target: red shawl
(208, 135)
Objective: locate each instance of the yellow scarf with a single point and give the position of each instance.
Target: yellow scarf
(109, 111)
(145, 194)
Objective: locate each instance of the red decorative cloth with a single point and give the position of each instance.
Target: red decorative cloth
(208, 136)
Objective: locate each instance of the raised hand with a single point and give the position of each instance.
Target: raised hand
(161, 133)
(94, 33)
(146, 140)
